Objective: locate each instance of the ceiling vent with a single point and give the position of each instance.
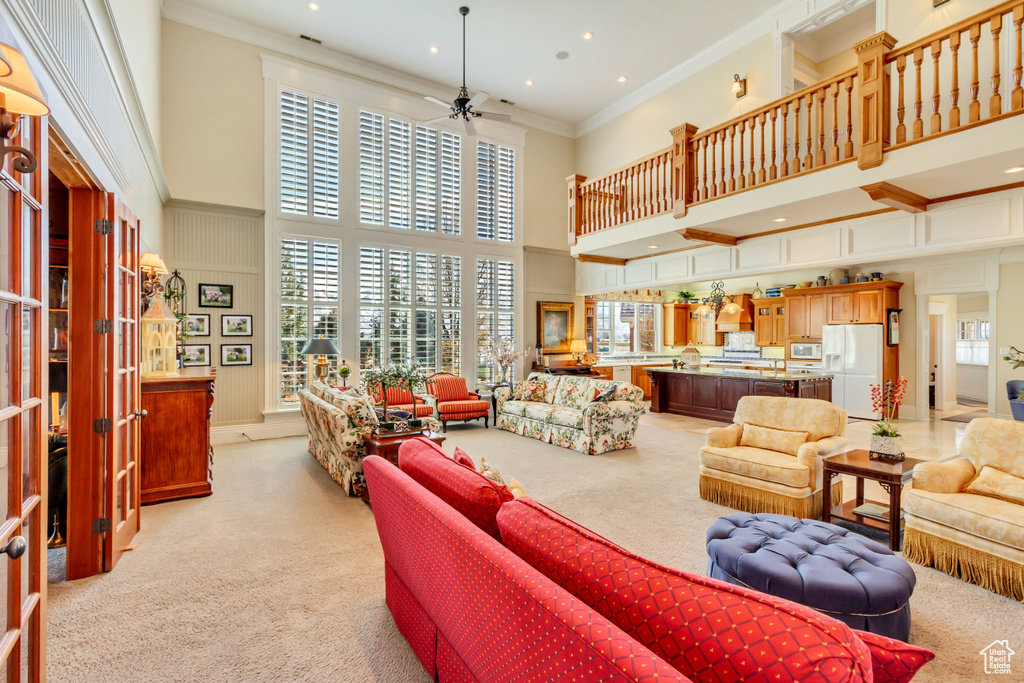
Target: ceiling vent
(312, 40)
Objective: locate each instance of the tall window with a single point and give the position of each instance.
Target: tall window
(495, 309)
(972, 341)
(409, 308)
(409, 176)
(308, 156)
(626, 327)
(309, 306)
(495, 192)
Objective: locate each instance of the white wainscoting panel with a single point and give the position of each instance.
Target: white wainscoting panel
(712, 261)
(815, 247)
(639, 272)
(672, 267)
(976, 222)
(763, 253)
(872, 240)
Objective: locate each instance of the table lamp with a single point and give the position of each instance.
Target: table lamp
(321, 348)
(578, 348)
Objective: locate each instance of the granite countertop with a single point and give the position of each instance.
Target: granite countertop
(736, 372)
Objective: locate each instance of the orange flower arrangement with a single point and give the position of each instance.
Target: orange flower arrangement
(886, 400)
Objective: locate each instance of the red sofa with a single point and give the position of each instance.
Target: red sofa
(550, 606)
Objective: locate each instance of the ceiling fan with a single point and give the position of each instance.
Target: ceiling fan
(464, 106)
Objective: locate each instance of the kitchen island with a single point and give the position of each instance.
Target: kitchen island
(713, 393)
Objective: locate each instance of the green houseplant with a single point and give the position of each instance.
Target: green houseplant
(396, 376)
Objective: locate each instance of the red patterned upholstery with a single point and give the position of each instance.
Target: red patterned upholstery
(450, 667)
(422, 409)
(894, 661)
(708, 630)
(454, 400)
(448, 387)
(457, 409)
(410, 618)
(400, 399)
(471, 493)
(504, 620)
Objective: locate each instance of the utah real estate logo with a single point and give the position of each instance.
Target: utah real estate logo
(997, 657)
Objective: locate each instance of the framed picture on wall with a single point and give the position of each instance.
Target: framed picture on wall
(195, 355)
(236, 325)
(554, 326)
(216, 296)
(197, 324)
(236, 354)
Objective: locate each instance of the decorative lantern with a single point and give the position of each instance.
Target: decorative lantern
(159, 340)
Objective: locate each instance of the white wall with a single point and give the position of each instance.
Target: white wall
(944, 350)
(972, 380)
(139, 28)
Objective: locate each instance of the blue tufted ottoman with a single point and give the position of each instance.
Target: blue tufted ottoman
(823, 566)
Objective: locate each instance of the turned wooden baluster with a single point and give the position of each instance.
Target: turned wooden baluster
(722, 185)
(795, 168)
(752, 177)
(936, 124)
(954, 92)
(732, 158)
(741, 182)
(761, 119)
(848, 151)
(820, 160)
(809, 159)
(1017, 96)
(704, 179)
(974, 112)
(995, 105)
(901, 110)
(918, 121)
(834, 152)
(714, 164)
(784, 166)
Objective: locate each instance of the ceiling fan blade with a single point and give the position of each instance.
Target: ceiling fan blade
(478, 99)
(439, 118)
(446, 105)
(492, 116)
(470, 128)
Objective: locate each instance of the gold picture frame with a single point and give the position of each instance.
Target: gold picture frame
(555, 324)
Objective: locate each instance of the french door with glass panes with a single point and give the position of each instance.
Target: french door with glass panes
(23, 259)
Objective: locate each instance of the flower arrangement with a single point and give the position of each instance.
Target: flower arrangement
(886, 400)
(502, 352)
(399, 376)
(1016, 358)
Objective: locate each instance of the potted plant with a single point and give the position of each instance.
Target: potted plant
(398, 376)
(502, 352)
(344, 371)
(886, 442)
(684, 297)
(1015, 387)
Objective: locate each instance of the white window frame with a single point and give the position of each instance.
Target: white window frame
(614, 303)
(973, 340)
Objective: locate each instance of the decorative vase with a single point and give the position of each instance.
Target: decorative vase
(887, 447)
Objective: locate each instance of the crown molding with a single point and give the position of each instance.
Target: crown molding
(206, 20)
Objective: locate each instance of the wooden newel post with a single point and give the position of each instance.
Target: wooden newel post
(575, 206)
(873, 99)
(683, 168)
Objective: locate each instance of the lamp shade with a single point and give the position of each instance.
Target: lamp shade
(21, 93)
(578, 346)
(320, 346)
(152, 261)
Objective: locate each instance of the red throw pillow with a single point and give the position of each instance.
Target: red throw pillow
(470, 493)
(463, 459)
(893, 660)
(708, 630)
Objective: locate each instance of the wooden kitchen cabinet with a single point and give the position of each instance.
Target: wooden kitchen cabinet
(769, 322)
(868, 306)
(590, 322)
(840, 308)
(643, 380)
(805, 316)
(675, 321)
(701, 329)
(779, 321)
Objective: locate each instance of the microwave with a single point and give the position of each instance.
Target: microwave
(804, 351)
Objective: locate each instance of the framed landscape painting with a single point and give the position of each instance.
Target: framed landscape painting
(554, 326)
(216, 296)
(197, 324)
(196, 355)
(236, 325)
(236, 354)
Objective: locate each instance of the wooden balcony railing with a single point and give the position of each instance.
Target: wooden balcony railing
(856, 115)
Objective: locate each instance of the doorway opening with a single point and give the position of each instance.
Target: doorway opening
(822, 46)
(958, 356)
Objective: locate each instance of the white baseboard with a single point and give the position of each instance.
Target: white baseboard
(257, 431)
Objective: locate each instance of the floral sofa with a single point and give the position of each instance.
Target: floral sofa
(769, 460)
(592, 416)
(338, 421)
(965, 516)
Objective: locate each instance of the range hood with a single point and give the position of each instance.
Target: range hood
(739, 321)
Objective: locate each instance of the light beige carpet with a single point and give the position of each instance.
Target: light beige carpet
(279, 577)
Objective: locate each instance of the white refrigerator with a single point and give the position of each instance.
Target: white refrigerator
(853, 354)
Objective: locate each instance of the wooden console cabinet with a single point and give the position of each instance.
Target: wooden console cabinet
(177, 459)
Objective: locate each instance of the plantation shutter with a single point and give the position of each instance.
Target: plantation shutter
(426, 179)
(495, 309)
(450, 333)
(451, 184)
(371, 167)
(506, 194)
(399, 174)
(371, 307)
(325, 159)
(485, 190)
(294, 142)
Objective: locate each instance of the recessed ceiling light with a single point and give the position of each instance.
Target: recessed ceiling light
(433, 48)
(529, 82)
(588, 35)
(780, 220)
(1015, 169)
(623, 79)
(653, 246)
(314, 6)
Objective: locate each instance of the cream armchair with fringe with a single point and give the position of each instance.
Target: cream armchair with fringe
(769, 460)
(965, 516)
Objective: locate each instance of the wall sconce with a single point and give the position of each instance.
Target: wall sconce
(152, 266)
(739, 85)
(20, 95)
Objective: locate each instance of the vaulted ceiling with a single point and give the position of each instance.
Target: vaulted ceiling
(510, 42)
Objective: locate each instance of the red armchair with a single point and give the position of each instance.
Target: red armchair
(454, 401)
(401, 399)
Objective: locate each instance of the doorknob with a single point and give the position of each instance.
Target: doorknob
(141, 413)
(15, 547)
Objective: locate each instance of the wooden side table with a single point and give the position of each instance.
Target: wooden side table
(891, 475)
(386, 446)
(493, 387)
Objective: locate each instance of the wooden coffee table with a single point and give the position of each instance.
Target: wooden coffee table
(386, 446)
(891, 475)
